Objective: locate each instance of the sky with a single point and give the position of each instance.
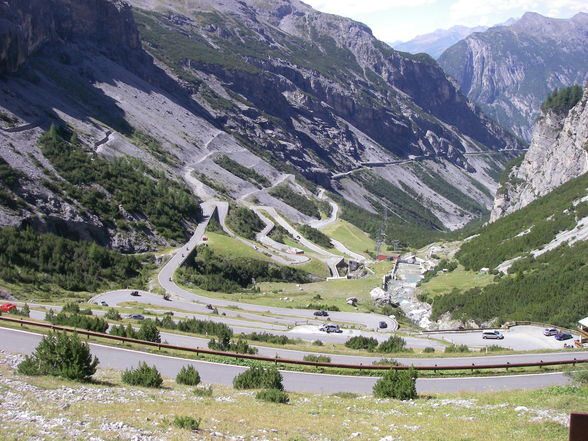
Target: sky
(402, 20)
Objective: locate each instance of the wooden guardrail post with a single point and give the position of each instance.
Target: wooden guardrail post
(579, 426)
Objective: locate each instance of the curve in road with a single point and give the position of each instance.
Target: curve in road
(215, 373)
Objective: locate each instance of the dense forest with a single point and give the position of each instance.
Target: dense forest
(245, 173)
(167, 204)
(212, 272)
(244, 222)
(527, 229)
(295, 200)
(562, 100)
(46, 261)
(550, 289)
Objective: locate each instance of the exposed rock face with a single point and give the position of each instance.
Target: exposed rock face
(436, 42)
(509, 70)
(276, 86)
(25, 25)
(558, 153)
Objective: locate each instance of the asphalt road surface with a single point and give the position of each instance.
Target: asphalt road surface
(213, 373)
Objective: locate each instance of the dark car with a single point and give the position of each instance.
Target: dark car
(321, 313)
(563, 336)
(135, 294)
(382, 325)
(136, 317)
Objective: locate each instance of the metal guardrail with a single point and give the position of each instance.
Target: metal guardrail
(504, 327)
(277, 360)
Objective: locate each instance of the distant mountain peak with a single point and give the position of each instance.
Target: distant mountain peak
(437, 41)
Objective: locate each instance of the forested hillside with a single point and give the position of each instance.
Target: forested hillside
(542, 284)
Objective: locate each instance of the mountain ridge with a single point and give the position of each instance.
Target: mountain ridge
(323, 98)
(509, 70)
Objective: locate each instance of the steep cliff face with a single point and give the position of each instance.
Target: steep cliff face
(273, 85)
(436, 42)
(558, 153)
(509, 70)
(25, 25)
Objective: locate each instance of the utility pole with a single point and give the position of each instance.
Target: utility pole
(382, 232)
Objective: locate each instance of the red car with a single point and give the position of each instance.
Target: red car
(7, 307)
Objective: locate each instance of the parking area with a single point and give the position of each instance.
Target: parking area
(518, 338)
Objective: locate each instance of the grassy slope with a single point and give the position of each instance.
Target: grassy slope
(333, 292)
(350, 236)
(457, 279)
(490, 417)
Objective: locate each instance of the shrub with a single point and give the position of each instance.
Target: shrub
(188, 375)
(317, 358)
(74, 308)
(397, 384)
(187, 423)
(579, 376)
(143, 375)
(203, 391)
(95, 324)
(457, 348)
(273, 396)
(496, 348)
(317, 343)
(428, 350)
(112, 314)
(259, 377)
(25, 311)
(121, 331)
(393, 344)
(61, 355)
(361, 342)
(149, 332)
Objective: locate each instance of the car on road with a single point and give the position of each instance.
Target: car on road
(492, 334)
(563, 336)
(135, 294)
(103, 303)
(7, 307)
(331, 327)
(321, 313)
(136, 316)
(382, 325)
(550, 331)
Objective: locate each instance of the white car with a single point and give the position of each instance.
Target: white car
(492, 334)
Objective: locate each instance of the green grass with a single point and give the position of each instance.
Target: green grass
(351, 236)
(456, 279)
(489, 416)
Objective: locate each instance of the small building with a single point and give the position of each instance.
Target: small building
(384, 258)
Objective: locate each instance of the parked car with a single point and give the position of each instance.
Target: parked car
(330, 327)
(321, 313)
(550, 331)
(7, 307)
(382, 325)
(136, 317)
(492, 334)
(563, 336)
(135, 294)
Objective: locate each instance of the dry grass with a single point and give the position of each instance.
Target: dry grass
(64, 410)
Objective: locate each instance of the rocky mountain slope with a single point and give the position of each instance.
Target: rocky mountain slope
(509, 70)
(436, 42)
(558, 153)
(275, 86)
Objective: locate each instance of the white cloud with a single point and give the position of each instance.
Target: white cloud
(349, 8)
(479, 12)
